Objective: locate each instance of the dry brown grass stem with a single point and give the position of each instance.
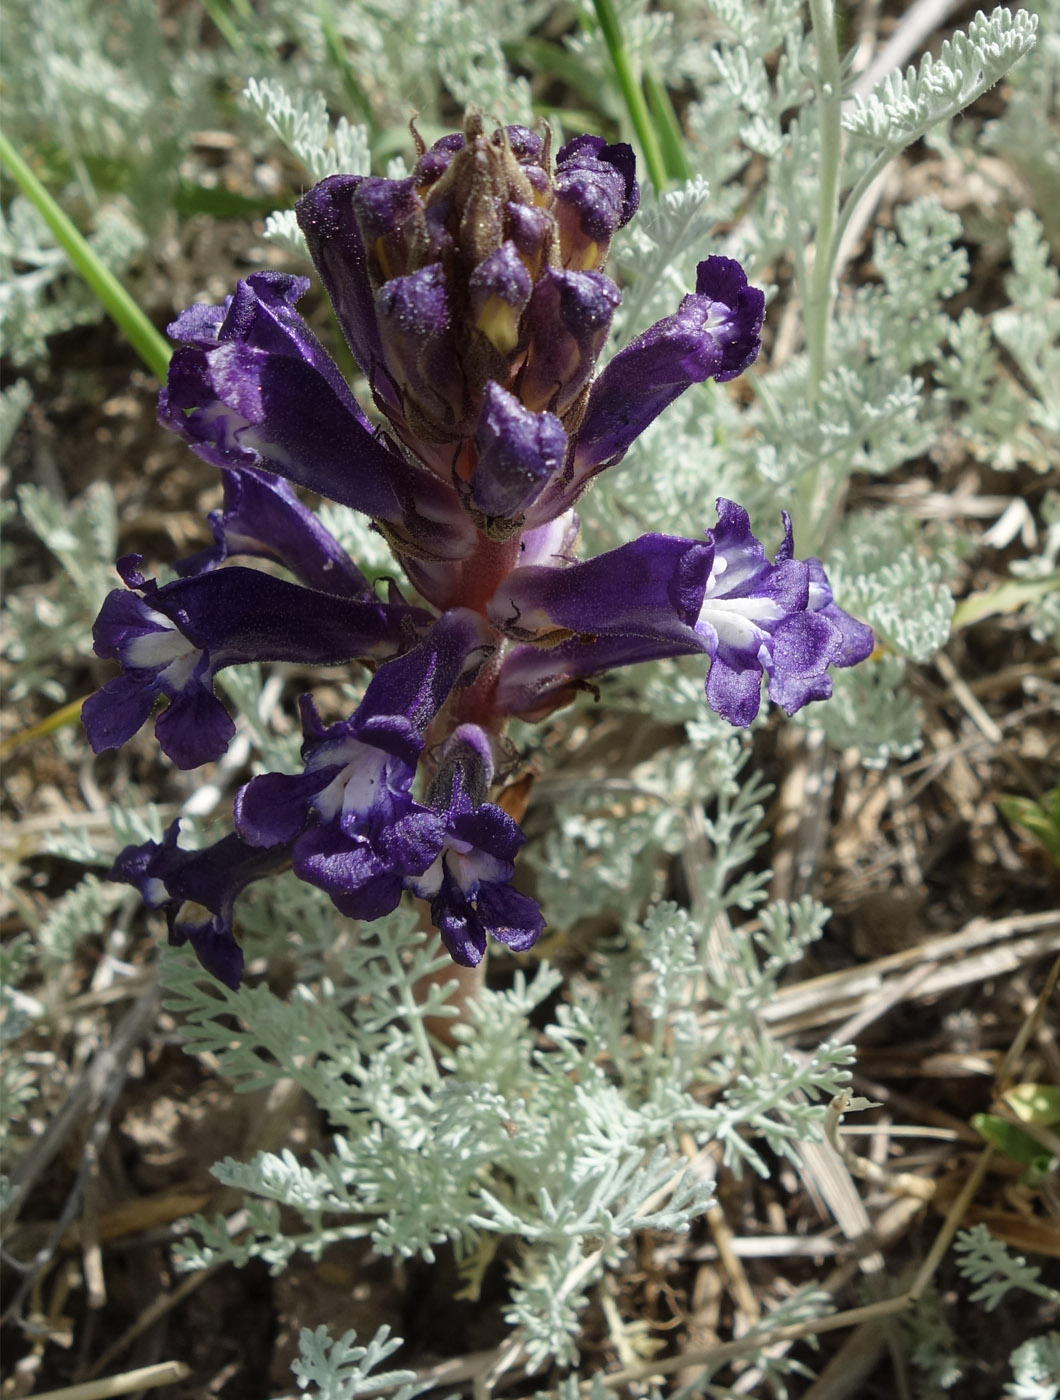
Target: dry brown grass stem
(144, 1378)
(835, 996)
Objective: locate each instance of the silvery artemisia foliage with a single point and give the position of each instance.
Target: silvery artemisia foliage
(557, 1140)
(872, 411)
(472, 296)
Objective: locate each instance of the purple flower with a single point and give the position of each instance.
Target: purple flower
(197, 890)
(664, 596)
(172, 641)
(567, 321)
(356, 830)
(253, 387)
(518, 451)
(714, 334)
(263, 519)
(468, 881)
(596, 194)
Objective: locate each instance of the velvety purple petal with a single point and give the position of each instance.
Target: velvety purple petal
(804, 645)
(213, 943)
(143, 866)
(855, 638)
(114, 714)
(495, 910)
(736, 544)
(412, 843)
(527, 146)
(567, 319)
(123, 617)
(198, 325)
(518, 452)
(195, 727)
(263, 518)
(461, 932)
(417, 684)
(215, 875)
(723, 282)
(489, 828)
(327, 218)
(650, 587)
(788, 585)
(734, 691)
(261, 314)
(596, 193)
(587, 151)
(273, 808)
(359, 884)
(508, 916)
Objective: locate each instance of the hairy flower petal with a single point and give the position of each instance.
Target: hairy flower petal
(174, 640)
(197, 890)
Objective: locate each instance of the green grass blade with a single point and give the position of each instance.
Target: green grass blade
(337, 53)
(149, 344)
(671, 137)
(631, 93)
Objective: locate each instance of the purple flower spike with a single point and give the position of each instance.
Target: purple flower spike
(197, 890)
(468, 881)
(264, 519)
(518, 452)
(174, 639)
(472, 297)
(356, 830)
(596, 194)
(714, 334)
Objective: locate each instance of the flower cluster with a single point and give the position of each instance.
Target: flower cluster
(472, 296)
